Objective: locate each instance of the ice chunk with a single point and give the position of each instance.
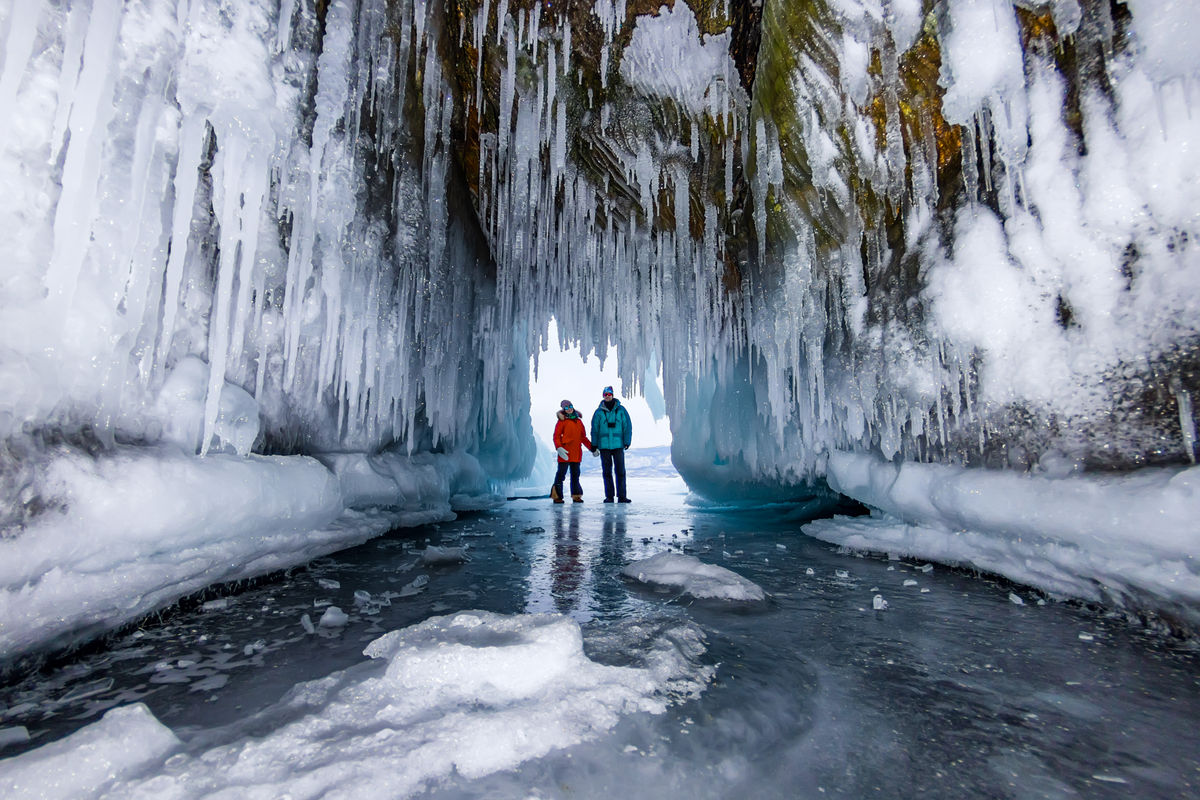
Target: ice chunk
(333, 617)
(910, 582)
(1015, 599)
(878, 603)
(181, 404)
(307, 623)
(693, 577)
(328, 583)
(122, 743)
(13, 735)
(361, 597)
(433, 555)
(415, 586)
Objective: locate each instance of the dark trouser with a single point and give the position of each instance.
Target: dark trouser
(562, 472)
(613, 461)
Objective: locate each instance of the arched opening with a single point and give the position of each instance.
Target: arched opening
(570, 374)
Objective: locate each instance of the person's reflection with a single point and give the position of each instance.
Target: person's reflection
(567, 572)
(610, 590)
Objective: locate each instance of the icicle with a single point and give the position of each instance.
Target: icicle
(985, 148)
(227, 176)
(566, 46)
(683, 207)
(560, 139)
(136, 274)
(894, 139)
(534, 29)
(23, 22)
(81, 169)
(254, 195)
(969, 169)
(1187, 418)
(507, 90)
(283, 30)
(728, 173)
(187, 177)
(76, 33)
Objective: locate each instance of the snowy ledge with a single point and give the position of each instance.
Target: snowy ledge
(1128, 540)
(134, 531)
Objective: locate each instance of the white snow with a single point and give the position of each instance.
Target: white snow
(669, 58)
(125, 741)
(1129, 539)
(693, 577)
(135, 530)
(469, 694)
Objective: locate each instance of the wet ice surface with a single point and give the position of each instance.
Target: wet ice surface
(954, 689)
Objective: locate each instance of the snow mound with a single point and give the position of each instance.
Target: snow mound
(471, 693)
(135, 529)
(124, 741)
(1125, 538)
(694, 577)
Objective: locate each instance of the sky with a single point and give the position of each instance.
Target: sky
(563, 375)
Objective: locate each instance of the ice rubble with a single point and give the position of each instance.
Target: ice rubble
(471, 693)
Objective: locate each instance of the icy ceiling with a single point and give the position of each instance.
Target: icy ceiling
(960, 230)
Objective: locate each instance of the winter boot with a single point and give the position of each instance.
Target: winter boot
(556, 494)
(578, 498)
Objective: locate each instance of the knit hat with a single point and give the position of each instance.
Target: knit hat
(606, 390)
(566, 405)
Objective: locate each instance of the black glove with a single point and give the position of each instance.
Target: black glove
(626, 447)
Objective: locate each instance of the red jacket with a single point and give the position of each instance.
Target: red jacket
(569, 433)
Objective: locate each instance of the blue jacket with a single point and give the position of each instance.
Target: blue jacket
(611, 430)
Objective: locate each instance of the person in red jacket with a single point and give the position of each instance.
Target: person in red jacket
(569, 438)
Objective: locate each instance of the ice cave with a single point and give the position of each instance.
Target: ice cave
(916, 283)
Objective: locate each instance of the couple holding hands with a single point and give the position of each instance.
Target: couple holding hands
(612, 433)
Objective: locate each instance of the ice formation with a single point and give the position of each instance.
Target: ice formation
(961, 231)
(1123, 540)
(693, 577)
(468, 694)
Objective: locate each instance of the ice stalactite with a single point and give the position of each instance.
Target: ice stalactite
(217, 182)
(923, 234)
(958, 231)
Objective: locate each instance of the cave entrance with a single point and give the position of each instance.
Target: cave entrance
(576, 376)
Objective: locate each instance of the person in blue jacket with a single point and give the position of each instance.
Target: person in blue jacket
(612, 432)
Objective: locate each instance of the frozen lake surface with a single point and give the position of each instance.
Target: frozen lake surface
(856, 676)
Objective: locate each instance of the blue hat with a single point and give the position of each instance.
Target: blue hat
(607, 390)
